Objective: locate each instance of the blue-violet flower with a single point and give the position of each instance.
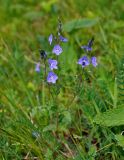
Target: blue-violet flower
(35, 134)
(52, 64)
(83, 61)
(37, 67)
(52, 77)
(57, 49)
(63, 39)
(88, 47)
(43, 54)
(94, 61)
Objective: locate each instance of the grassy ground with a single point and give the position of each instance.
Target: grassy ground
(37, 125)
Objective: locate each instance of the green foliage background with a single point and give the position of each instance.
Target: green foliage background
(33, 125)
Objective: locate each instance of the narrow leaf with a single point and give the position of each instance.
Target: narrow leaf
(79, 23)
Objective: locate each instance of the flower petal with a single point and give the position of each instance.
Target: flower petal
(52, 77)
(37, 67)
(50, 39)
(94, 61)
(52, 64)
(57, 49)
(63, 39)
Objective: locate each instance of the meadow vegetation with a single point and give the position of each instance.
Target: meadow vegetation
(81, 116)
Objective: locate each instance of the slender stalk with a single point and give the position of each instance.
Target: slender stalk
(108, 145)
(43, 86)
(45, 69)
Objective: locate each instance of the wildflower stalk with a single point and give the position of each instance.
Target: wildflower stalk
(80, 91)
(43, 93)
(45, 69)
(50, 93)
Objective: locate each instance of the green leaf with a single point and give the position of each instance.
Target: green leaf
(33, 15)
(92, 152)
(114, 117)
(67, 117)
(80, 23)
(51, 127)
(48, 4)
(120, 139)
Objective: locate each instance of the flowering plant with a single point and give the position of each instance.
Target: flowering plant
(57, 50)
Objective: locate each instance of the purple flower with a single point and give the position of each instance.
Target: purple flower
(52, 64)
(63, 39)
(35, 134)
(83, 61)
(94, 61)
(52, 77)
(50, 39)
(43, 54)
(37, 67)
(57, 49)
(88, 47)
